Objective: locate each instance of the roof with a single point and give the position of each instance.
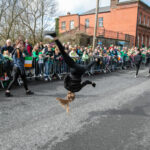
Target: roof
(133, 1)
(69, 15)
(101, 10)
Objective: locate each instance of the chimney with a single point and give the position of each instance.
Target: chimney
(68, 13)
(114, 3)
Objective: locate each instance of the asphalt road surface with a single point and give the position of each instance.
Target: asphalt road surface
(113, 116)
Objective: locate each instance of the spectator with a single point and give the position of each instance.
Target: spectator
(41, 46)
(57, 64)
(80, 52)
(7, 65)
(41, 62)
(35, 56)
(1, 66)
(73, 54)
(7, 47)
(49, 56)
(28, 47)
(85, 57)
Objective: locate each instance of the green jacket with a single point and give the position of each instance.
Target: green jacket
(85, 57)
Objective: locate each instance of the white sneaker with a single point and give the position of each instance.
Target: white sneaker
(46, 79)
(40, 75)
(135, 76)
(49, 78)
(6, 78)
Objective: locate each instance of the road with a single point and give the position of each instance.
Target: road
(113, 116)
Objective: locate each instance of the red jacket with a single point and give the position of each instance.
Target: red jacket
(29, 49)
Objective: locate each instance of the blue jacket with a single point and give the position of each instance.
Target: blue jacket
(18, 59)
(1, 58)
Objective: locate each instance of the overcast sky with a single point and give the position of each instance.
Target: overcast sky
(80, 6)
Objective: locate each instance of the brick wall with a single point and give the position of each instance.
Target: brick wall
(67, 19)
(143, 29)
(122, 18)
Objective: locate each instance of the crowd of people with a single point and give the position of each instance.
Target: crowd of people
(47, 61)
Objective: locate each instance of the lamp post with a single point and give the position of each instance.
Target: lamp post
(95, 28)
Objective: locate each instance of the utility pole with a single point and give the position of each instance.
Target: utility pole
(96, 19)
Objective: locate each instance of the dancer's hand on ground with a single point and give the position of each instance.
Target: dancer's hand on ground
(64, 103)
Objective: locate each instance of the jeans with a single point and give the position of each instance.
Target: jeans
(41, 68)
(48, 68)
(57, 67)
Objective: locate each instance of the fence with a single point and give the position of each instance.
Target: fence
(57, 69)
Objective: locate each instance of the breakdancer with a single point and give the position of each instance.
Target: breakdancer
(72, 82)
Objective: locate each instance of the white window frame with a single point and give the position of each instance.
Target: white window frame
(87, 23)
(138, 39)
(71, 24)
(144, 20)
(100, 21)
(146, 41)
(140, 19)
(63, 25)
(142, 39)
(148, 21)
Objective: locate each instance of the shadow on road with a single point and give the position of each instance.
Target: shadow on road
(138, 111)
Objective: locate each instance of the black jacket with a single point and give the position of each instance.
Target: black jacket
(5, 48)
(138, 58)
(72, 84)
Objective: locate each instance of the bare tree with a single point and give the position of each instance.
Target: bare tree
(47, 11)
(25, 17)
(36, 17)
(9, 14)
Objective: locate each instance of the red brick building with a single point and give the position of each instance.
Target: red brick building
(125, 21)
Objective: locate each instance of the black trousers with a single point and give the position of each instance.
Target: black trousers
(16, 74)
(36, 66)
(137, 67)
(77, 70)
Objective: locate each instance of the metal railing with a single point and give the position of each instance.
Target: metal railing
(102, 32)
(57, 69)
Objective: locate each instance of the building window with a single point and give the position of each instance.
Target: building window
(63, 25)
(144, 20)
(148, 22)
(140, 19)
(87, 22)
(71, 24)
(138, 40)
(142, 39)
(146, 41)
(100, 22)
